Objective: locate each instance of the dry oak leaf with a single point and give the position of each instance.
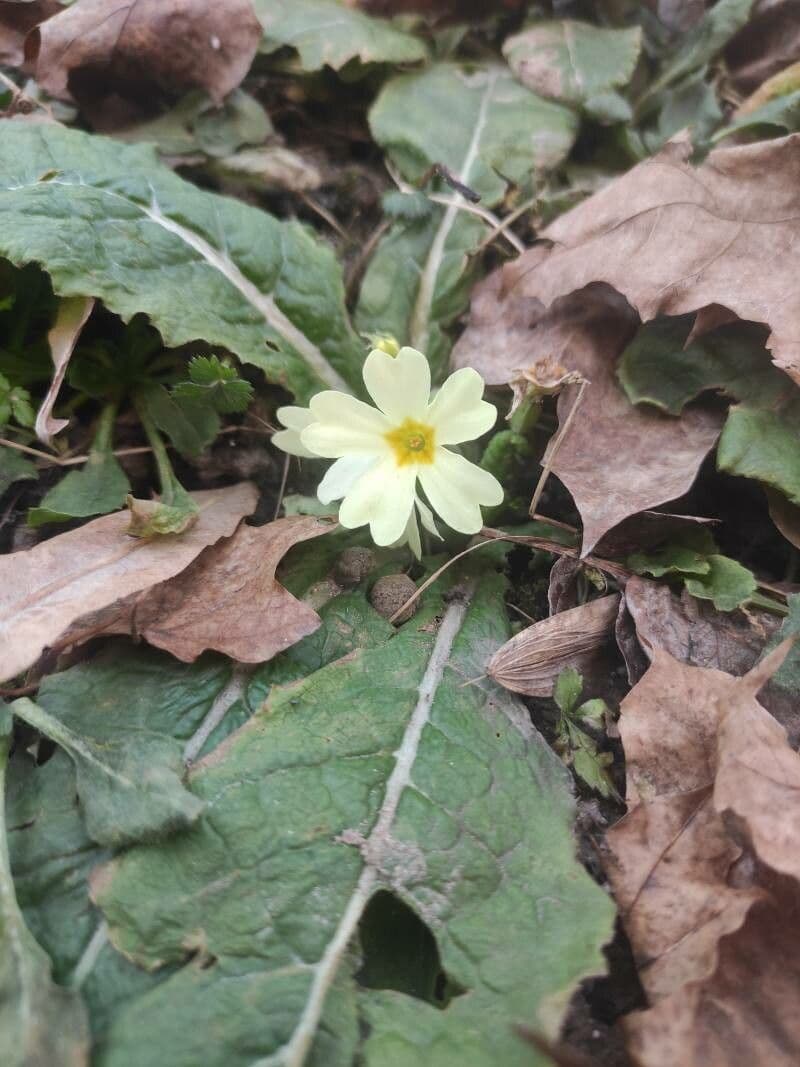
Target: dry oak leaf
(17, 19)
(698, 635)
(228, 599)
(709, 853)
(673, 238)
(615, 459)
(44, 590)
(532, 660)
(768, 43)
(96, 47)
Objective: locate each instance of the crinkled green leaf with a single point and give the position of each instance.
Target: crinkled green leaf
(107, 220)
(390, 291)
(191, 426)
(759, 439)
(197, 124)
(692, 52)
(787, 677)
(567, 690)
(52, 857)
(488, 130)
(765, 445)
(15, 402)
(214, 384)
(772, 119)
(659, 368)
(41, 1024)
(99, 487)
(590, 764)
(339, 787)
(51, 852)
(727, 584)
(14, 467)
(571, 61)
(330, 33)
(687, 553)
(120, 719)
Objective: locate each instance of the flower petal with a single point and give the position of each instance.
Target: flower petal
(457, 412)
(411, 536)
(295, 420)
(383, 497)
(456, 489)
(400, 385)
(344, 426)
(342, 475)
(428, 521)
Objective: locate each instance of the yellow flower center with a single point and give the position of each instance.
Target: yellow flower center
(412, 442)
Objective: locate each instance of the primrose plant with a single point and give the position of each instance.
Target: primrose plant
(385, 454)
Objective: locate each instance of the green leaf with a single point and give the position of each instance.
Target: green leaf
(787, 677)
(390, 291)
(52, 857)
(191, 426)
(772, 119)
(15, 402)
(330, 33)
(442, 794)
(659, 368)
(14, 467)
(488, 131)
(567, 690)
(591, 765)
(764, 445)
(99, 487)
(694, 51)
(214, 384)
(128, 776)
(201, 266)
(759, 439)
(687, 553)
(592, 711)
(297, 504)
(52, 854)
(197, 124)
(41, 1024)
(727, 584)
(571, 61)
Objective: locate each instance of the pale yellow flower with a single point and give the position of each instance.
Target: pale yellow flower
(384, 453)
(295, 420)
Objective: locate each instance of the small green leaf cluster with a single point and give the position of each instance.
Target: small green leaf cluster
(574, 742)
(692, 557)
(15, 402)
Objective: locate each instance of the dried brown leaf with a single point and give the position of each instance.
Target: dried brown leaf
(73, 311)
(562, 591)
(532, 660)
(714, 813)
(696, 634)
(739, 227)
(769, 42)
(227, 600)
(16, 21)
(127, 48)
(615, 459)
(44, 590)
